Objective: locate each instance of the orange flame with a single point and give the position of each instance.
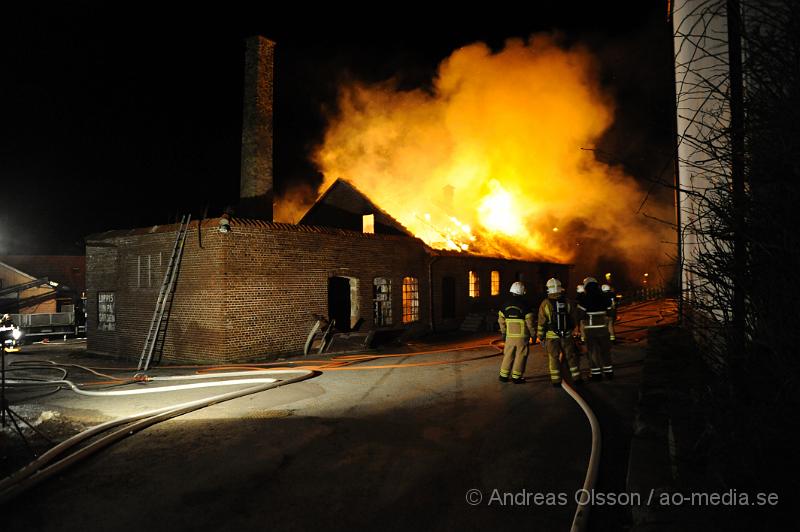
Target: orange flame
(493, 159)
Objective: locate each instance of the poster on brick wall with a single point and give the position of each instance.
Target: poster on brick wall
(106, 320)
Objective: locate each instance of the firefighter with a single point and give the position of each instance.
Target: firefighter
(594, 315)
(612, 308)
(516, 324)
(555, 326)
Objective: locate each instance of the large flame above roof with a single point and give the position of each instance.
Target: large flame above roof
(496, 158)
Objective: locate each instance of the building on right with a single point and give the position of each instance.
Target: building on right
(736, 84)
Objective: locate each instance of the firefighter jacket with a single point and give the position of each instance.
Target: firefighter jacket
(594, 310)
(516, 318)
(557, 317)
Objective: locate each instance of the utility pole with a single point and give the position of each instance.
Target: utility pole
(737, 168)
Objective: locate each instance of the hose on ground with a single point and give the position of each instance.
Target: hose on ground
(39, 470)
(581, 518)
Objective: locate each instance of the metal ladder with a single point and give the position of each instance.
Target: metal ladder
(164, 294)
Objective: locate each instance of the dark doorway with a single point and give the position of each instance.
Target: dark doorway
(339, 302)
(448, 297)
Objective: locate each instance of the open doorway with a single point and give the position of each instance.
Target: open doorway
(343, 302)
(448, 297)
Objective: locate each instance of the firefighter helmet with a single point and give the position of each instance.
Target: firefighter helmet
(605, 288)
(518, 288)
(580, 289)
(589, 280)
(553, 286)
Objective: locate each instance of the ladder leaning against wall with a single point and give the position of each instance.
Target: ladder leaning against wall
(158, 324)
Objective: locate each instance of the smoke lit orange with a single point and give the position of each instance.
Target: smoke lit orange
(494, 159)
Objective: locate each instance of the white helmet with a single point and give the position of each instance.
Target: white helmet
(553, 286)
(589, 280)
(605, 288)
(518, 288)
(580, 289)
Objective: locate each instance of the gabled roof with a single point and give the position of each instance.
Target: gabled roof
(96, 239)
(15, 270)
(343, 206)
(67, 270)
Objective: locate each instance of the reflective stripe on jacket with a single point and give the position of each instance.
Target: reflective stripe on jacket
(516, 319)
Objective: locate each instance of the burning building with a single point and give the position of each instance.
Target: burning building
(253, 288)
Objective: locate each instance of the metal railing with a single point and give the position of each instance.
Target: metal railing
(642, 294)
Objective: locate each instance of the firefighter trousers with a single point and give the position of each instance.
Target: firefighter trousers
(554, 347)
(599, 351)
(515, 355)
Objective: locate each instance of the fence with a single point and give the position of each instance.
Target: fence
(643, 294)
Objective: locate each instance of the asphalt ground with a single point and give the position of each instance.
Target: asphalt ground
(394, 448)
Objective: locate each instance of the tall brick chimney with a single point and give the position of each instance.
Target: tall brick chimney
(255, 188)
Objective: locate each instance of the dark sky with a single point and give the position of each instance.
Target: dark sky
(123, 116)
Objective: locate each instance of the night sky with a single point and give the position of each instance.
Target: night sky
(124, 116)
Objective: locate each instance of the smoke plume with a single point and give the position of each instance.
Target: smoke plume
(497, 158)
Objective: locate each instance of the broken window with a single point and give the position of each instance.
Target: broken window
(106, 316)
(382, 301)
(368, 223)
(410, 299)
(474, 284)
(495, 282)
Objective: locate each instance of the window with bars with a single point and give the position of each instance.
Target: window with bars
(410, 299)
(495, 282)
(474, 284)
(382, 301)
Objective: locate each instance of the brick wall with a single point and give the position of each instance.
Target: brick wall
(276, 280)
(252, 293)
(133, 268)
(101, 276)
(248, 294)
(457, 266)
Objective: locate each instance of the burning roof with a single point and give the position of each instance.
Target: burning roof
(496, 157)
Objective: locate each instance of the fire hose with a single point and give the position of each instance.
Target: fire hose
(39, 470)
(581, 518)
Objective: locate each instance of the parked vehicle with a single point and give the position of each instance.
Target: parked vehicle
(11, 337)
